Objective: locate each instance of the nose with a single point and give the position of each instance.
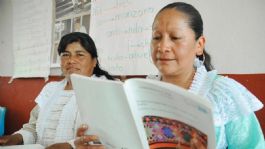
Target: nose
(164, 45)
(72, 59)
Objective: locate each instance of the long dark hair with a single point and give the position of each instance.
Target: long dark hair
(88, 44)
(195, 23)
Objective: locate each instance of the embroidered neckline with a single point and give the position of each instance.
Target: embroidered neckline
(198, 79)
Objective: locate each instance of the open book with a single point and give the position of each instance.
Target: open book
(142, 114)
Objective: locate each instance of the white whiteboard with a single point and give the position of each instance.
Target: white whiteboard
(32, 28)
(122, 33)
(233, 29)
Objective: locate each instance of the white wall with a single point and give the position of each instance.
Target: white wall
(234, 30)
(235, 34)
(6, 54)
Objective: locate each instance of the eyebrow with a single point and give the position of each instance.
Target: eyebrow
(78, 51)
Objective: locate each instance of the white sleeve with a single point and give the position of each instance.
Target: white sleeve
(28, 131)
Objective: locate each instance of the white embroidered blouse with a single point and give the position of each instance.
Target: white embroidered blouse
(236, 125)
(55, 118)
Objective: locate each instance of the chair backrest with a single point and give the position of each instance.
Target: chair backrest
(2, 120)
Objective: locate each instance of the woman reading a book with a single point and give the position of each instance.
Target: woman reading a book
(179, 55)
(54, 120)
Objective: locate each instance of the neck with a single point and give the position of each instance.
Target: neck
(68, 85)
(183, 80)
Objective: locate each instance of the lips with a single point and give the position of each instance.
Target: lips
(72, 69)
(165, 59)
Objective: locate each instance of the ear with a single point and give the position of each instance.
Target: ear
(200, 45)
(95, 61)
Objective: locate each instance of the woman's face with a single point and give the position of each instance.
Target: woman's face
(173, 43)
(77, 60)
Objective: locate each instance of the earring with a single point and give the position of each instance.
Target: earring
(203, 58)
(198, 62)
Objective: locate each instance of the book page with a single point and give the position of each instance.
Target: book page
(103, 106)
(172, 116)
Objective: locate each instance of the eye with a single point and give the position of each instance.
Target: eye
(156, 37)
(175, 37)
(80, 54)
(65, 54)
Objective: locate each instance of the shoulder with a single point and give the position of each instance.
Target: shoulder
(53, 84)
(231, 99)
(230, 88)
(224, 82)
(48, 90)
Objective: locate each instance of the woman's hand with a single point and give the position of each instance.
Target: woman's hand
(87, 141)
(15, 139)
(60, 146)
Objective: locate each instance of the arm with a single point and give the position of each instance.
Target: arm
(60, 146)
(26, 135)
(245, 132)
(81, 142)
(15, 139)
(28, 131)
